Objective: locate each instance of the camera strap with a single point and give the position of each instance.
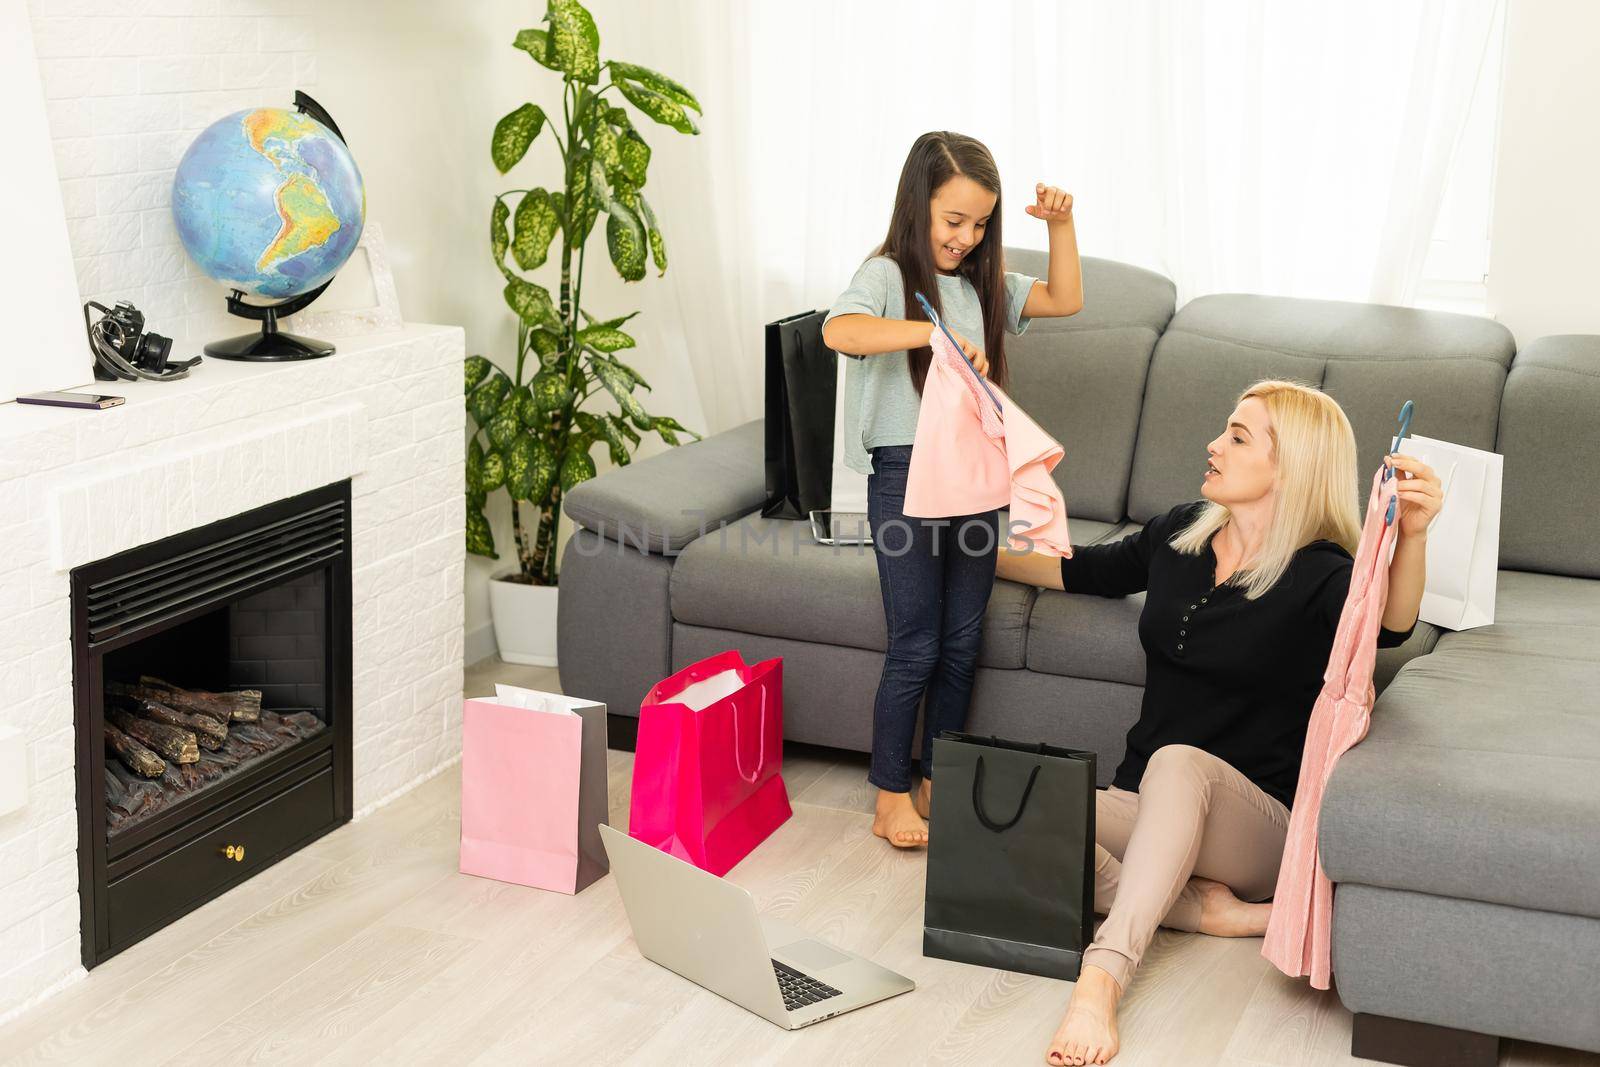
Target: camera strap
(115, 364)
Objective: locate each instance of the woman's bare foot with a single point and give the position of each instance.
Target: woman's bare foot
(1088, 1031)
(922, 799)
(897, 821)
(1224, 915)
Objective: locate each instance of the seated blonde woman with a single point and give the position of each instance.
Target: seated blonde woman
(1243, 593)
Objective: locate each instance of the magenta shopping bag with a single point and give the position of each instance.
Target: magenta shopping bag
(533, 789)
(707, 785)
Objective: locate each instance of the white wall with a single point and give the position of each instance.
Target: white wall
(45, 349)
(125, 96)
(1544, 276)
(418, 90)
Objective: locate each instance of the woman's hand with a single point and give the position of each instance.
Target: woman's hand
(972, 353)
(1421, 495)
(1051, 204)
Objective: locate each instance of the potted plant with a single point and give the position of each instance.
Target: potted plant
(531, 433)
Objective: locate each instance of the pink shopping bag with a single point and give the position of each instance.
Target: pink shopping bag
(707, 786)
(533, 789)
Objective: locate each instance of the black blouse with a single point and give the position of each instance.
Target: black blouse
(1235, 677)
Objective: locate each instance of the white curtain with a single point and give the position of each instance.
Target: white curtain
(1291, 148)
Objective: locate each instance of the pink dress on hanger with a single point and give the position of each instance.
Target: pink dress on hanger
(969, 457)
(1299, 936)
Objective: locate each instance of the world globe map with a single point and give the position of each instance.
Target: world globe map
(268, 201)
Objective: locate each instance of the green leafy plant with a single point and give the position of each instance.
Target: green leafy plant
(532, 436)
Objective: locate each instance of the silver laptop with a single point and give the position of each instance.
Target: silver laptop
(840, 528)
(707, 929)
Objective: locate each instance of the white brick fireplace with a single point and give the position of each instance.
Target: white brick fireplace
(77, 486)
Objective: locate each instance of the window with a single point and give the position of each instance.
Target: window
(1458, 258)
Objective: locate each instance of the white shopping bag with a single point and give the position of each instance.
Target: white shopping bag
(1464, 539)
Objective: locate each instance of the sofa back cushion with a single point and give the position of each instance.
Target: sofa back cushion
(1371, 358)
(1082, 378)
(1550, 438)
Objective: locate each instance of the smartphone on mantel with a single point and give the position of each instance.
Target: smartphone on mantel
(72, 400)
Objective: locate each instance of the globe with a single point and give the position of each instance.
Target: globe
(269, 202)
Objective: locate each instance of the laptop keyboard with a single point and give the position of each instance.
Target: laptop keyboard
(799, 989)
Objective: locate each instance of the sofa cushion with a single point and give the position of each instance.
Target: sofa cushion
(767, 576)
(1368, 357)
(1083, 636)
(1082, 377)
(1480, 779)
(661, 503)
(1532, 640)
(1551, 442)
(1094, 532)
(1523, 596)
(1080, 636)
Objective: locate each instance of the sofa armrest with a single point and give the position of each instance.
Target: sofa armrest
(661, 504)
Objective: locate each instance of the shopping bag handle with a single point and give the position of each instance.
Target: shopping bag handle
(977, 799)
(761, 754)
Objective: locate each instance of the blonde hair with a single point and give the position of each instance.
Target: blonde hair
(1314, 450)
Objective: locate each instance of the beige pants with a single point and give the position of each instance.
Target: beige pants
(1193, 815)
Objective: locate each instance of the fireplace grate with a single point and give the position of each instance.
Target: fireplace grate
(220, 570)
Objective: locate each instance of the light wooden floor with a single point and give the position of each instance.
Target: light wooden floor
(370, 946)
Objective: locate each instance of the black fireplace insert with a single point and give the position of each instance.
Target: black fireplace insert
(212, 693)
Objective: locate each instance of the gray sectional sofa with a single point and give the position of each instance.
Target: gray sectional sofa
(1464, 832)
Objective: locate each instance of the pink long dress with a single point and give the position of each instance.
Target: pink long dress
(968, 457)
(1300, 932)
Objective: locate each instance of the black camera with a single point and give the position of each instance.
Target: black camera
(122, 349)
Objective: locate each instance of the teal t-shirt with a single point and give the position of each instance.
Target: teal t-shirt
(881, 402)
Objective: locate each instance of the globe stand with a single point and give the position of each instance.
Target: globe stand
(270, 346)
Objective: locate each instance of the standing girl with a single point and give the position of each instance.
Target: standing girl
(935, 575)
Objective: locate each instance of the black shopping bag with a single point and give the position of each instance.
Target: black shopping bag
(801, 376)
(1011, 856)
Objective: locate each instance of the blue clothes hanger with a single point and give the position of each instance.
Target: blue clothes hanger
(1389, 472)
(933, 317)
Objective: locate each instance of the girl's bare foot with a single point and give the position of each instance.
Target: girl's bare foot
(1224, 915)
(897, 821)
(922, 799)
(1088, 1031)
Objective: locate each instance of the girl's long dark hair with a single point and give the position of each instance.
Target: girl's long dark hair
(934, 159)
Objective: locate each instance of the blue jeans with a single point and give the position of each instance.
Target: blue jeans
(936, 575)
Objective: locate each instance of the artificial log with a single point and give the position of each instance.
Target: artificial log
(208, 731)
(131, 800)
(141, 695)
(303, 723)
(185, 700)
(173, 742)
(134, 756)
(246, 704)
(241, 705)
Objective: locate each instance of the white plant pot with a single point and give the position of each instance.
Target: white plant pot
(524, 621)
